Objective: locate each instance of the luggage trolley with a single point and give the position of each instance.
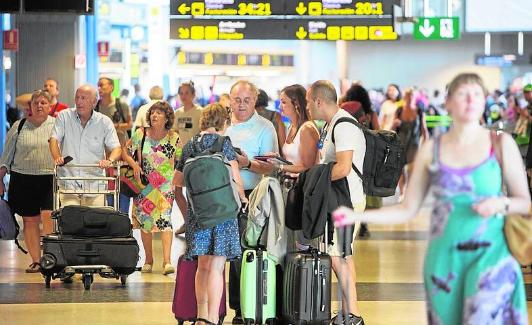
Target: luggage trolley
(86, 185)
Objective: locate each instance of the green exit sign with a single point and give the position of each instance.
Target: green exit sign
(437, 28)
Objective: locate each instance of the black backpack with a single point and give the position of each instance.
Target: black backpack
(383, 162)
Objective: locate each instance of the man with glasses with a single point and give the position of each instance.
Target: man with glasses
(255, 136)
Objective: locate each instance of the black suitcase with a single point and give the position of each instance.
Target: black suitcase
(307, 288)
(82, 221)
(109, 257)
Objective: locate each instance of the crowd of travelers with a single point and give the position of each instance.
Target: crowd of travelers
(457, 160)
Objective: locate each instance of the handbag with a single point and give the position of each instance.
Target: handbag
(128, 184)
(517, 227)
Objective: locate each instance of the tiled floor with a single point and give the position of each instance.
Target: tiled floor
(388, 264)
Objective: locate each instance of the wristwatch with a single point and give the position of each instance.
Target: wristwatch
(248, 165)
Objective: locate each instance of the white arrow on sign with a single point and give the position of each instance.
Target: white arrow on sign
(427, 29)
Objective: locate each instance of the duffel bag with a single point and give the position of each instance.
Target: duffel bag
(82, 221)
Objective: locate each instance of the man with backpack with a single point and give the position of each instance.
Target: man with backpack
(114, 108)
(347, 148)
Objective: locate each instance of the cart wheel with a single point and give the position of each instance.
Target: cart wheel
(123, 279)
(87, 281)
(47, 280)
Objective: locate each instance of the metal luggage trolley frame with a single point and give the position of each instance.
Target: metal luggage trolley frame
(97, 185)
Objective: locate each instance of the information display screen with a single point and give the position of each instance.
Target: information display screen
(282, 19)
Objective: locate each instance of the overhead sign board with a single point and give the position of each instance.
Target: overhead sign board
(318, 29)
(437, 28)
(282, 19)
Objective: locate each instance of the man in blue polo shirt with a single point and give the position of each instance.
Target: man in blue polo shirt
(255, 136)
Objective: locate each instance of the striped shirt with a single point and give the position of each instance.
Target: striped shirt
(31, 152)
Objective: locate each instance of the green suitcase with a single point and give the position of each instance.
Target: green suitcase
(257, 288)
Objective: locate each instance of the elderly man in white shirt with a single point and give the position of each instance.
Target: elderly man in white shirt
(85, 135)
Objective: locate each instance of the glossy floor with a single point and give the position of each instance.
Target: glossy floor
(390, 291)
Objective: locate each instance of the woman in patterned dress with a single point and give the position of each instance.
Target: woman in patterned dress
(211, 246)
(470, 276)
(153, 207)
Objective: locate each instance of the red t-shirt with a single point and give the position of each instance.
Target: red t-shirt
(58, 107)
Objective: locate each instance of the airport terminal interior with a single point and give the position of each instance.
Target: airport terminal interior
(192, 54)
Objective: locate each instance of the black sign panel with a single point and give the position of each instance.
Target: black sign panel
(338, 7)
(197, 8)
(361, 29)
(227, 29)
(9, 5)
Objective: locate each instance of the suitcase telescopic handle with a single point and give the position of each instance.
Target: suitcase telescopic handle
(323, 288)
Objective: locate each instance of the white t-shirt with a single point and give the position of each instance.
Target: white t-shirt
(347, 137)
(388, 109)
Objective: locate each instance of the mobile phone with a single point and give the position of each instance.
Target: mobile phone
(279, 159)
(66, 160)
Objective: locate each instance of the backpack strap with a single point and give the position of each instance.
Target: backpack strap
(360, 126)
(19, 128)
(218, 145)
(118, 106)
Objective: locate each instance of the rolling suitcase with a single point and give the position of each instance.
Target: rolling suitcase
(307, 287)
(184, 304)
(258, 287)
(110, 257)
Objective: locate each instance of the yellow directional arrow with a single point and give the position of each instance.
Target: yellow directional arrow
(183, 9)
(301, 9)
(184, 33)
(301, 33)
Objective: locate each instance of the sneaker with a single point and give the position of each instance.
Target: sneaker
(168, 269)
(146, 268)
(350, 320)
(238, 318)
(354, 320)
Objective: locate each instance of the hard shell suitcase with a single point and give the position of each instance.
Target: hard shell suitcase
(110, 257)
(258, 287)
(82, 221)
(184, 305)
(307, 288)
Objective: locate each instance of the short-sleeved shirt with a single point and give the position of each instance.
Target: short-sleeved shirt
(27, 152)
(255, 137)
(347, 136)
(115, 116)
(187, 123)
(86, 145)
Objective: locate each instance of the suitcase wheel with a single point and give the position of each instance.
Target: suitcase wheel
(87, 281)
(123, 279)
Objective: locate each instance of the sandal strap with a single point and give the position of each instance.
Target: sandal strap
(199, 319)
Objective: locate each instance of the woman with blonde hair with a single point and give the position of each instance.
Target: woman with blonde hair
(470, 275)
(157, 146)
(27, 159)
(215, 245)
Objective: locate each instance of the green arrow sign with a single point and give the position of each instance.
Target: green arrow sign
(437, 28)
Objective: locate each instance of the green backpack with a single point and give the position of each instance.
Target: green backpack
(211, 189)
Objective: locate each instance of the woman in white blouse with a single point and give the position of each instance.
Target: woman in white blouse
(27, 159)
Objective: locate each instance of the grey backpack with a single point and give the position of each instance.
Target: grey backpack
(9, 227)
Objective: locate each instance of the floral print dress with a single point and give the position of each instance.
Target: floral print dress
(153, 207)
(470, 276)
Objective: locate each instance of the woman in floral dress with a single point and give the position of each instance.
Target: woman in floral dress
(153, 206)
(470, 276)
